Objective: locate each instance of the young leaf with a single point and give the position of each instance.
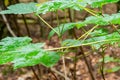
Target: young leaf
(114, 69)
(110, 59)
(62, 28)
(21, 8)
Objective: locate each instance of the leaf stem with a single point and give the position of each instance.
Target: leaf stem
(8, 25)
(48, 24)
(88, 10)
(59, 73)
(63, 60)
(85, 44)
(34, 73)
(88, 32)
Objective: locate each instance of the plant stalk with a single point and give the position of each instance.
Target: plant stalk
(47, 24)
(36, 76)
(85, 44)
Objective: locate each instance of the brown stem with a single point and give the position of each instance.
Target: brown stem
(102, 65)
(24, 19)
(53, 74)
(75, 64)
(35, 0)
(16, 24)
(26, 26)
(36, 76)
(39, 71)
(87, 63)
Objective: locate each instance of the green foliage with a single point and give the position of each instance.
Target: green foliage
(96, 42)
(21, 8)
(22, 53)
(62, 28)
(55, 5)
(73, 4)
(99, 32)
(100, 3)
(8, 43)
(100, 20)
(114, 69)
(108, 59)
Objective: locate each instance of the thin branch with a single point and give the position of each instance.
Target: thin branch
(59, 48)
(47, 24)
(65, 73)
(59, 73)
(35, 74)
(8, 25)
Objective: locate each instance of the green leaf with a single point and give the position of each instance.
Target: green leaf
(100, 3)
(99, 32)
(110, 59)
(10, 43)
(22, 53)
(73, 4)
(46, 58)
(62, 28)
(96, 20)
(107, 59)
(25, 8)
(59, 5)
(114, 69)
(70, 42)
(96, 42)
(100, 20)
(21, 8)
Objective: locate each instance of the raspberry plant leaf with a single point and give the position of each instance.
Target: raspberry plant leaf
(41, 57)
(22, 53)
(58, 5)
(8, 43)
(100, 3)
(20, 8)
(62, 29)
(101, 20)
(114, 69)
(108, 59)
(25, 8)
(96, 42)
(99, 32)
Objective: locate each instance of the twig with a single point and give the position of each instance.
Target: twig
(85, 44)
(47, 24)
(87, 63)
(53, 74)
(26, 26)
(63, 59)
(34, 73)
(8, 25)
(59, 73)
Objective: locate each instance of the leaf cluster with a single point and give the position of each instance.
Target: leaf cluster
(22, 53)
